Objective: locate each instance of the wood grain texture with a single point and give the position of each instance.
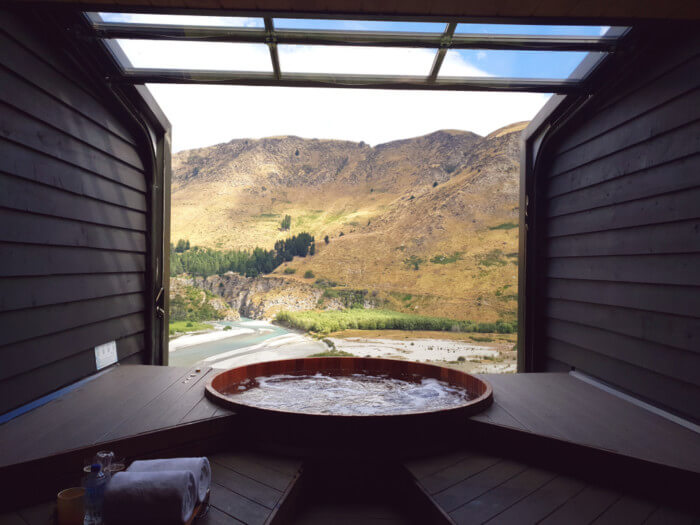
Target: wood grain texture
(127, 400)
(560, 11)
(511, 492)
(561, 406)
(620, 232)
(72, 207)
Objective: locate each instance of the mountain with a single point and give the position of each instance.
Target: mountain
(427, 224)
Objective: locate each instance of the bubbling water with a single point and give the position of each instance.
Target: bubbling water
(350, 395)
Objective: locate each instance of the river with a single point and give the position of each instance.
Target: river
(247, 341)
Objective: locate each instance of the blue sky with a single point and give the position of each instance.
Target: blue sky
(204, 115)
(517, 64)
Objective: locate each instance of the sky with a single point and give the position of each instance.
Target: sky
(205, 115)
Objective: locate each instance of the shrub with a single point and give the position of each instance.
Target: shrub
(308, 274)
(413, 262)
(376, 319)
(446, 259)
(333, 353)
(330, 294)
(435, 184)
(227, 327)
(492, 258)
(290, 271)
(461, 359)
(286, 222)
(504, 226)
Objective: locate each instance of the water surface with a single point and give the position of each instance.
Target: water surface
(352, 395)
(194, 354)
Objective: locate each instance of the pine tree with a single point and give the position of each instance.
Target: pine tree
(181, 246)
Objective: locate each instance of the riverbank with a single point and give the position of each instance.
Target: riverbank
(483, 353)
(216, 333)
(236, 343)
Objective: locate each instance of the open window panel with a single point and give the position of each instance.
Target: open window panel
(320, 52)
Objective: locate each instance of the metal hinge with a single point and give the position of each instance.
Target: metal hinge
(160, 302)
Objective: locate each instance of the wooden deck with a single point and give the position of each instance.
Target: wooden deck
(462, 487)
(144, 411)
(133, 400)
(127, 401)
(247, 488)
(563, 407)
(471, 487)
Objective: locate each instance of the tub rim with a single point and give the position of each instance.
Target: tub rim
(473, 406)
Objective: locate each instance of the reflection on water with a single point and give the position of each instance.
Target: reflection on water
(357, 394)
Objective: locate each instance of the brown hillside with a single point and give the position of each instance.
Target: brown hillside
(384, 202)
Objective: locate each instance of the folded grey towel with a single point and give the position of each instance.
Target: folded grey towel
(199, 467)
(161, 498)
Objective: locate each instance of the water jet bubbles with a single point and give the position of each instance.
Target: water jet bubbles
(356, 394)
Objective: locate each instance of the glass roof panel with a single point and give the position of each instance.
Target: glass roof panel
(179, 20)
(192, 55)
(358, 25)
(355, 60)
(512, 64)
(543, 30)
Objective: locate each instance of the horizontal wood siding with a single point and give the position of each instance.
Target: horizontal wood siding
(621, 241)
(73, 222)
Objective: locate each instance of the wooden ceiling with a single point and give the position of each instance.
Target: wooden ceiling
(601, 11)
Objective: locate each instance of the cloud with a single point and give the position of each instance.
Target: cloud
(197, 55)
(206, 115)
(223, 21)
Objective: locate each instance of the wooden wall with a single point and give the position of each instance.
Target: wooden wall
(620, 247)
(73, 221)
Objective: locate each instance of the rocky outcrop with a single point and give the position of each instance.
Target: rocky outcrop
(191, 299)
(263, 297)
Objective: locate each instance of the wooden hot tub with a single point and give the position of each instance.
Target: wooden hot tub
(365, 432)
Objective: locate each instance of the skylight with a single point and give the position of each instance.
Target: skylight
(535, 30)
(513, 64)
(177, 20)
(353, 60)
(359, 25)
(353, 53)
(213, 56)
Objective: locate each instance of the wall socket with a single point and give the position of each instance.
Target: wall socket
(105, 354)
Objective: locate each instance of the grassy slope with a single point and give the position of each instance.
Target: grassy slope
(188, 326)
(383, 227)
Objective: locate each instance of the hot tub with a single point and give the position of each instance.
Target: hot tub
(309, 404)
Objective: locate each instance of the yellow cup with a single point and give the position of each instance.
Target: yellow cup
(70, 506)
